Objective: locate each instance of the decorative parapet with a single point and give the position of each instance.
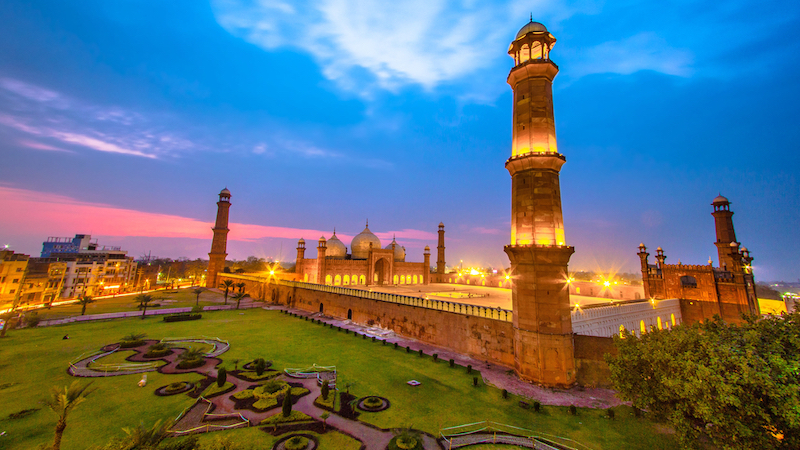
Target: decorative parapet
(504, 315)
(606, 321)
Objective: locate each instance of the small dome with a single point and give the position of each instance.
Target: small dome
(734, 244)
(322, 238)
(225, 192)
(531, 27)
(720, 200)
(427, 249)
(336, 248)
(301, 241)
(360, 244)
(399, 252)
(441, 224)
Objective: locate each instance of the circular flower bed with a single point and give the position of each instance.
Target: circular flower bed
(191, 363)
(175, 388)
(297, 442)
(405, 441)
(373, 403)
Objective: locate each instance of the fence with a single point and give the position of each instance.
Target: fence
(488, 432)
(439, 305)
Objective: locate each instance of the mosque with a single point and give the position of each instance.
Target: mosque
(544, 337)
(367, 264)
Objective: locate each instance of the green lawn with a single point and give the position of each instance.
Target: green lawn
(166, 299)
(34, 360)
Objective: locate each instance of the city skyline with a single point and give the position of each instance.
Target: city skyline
(124, 121)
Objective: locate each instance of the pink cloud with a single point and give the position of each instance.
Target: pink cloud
(40, 146)
(45, 214)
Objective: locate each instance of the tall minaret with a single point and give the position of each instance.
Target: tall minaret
(219, 244)
(727, 247)
(543, 347)
(440, 250)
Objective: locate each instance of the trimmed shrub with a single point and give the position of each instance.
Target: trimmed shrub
(325, 390)
(469, 368)
(260, 366)
(363, 336)
(383, 343)
(435, 357)
(421, 354)
(395, 345)
(296, 443)
(197, 309)
(452, 363)
(373, 402)
(408, 349)
(182, 317)
(610, 413)
(222, 376)
(504, 392)
(573, 410)
(537, 406)
(287, 404)
(474, 381)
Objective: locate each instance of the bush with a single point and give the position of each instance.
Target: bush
(182, 317)
(421, 354)
(537, 406)
(435, 357)
(260, 366)
(325, 390)
(610, 413)
(243, 395)
(295, 416)
(287, 404)
(637, 412)
(32, 319)
(296, 443)
(395, 345)
(191, 363)
(197, 309)
(408, 349)
(273, 386)
(373, 402)
(452, 363)
(504, 392)
(573, 410)
(222, 376)
(474, 381)
(383, 342)
(469, 368)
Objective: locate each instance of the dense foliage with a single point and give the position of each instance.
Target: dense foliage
(739, 385)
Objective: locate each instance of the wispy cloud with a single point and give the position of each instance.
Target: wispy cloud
(643, 51)
(39, 146)
(61, 120)
(424, 42)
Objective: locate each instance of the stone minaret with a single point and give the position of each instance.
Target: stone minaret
(426, 273)
(440, 250)
(322, 248)
(219, 244)
(727, 247)
(543, 346)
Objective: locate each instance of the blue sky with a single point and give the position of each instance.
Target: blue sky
(124, 119)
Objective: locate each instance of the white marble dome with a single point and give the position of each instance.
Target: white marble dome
(361, 243)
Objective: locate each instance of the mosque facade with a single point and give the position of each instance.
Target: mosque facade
(368, 263)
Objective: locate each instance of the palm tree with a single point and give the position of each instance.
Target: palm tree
(6, 316)
(241, 286)
(143, 300)
(145, 438)
(197, 292)
(62, 402)
(227, 285)
(238, 297)
(85, 300)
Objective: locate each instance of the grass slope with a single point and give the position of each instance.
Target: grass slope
(34, 360)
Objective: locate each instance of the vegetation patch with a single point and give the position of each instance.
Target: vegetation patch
(253, 376)
(327, 404)
(373, 403)
(406, 439)
(21, 414)
(215, 389)
(179, 387)
(294, 416)
(158, 350)
(296, 443)
(182, 317)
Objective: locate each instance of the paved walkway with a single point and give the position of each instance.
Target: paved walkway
(149, 312)
(501, 377)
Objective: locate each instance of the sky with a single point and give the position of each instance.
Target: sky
(125, 119)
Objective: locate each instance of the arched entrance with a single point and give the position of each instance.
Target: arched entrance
(381, 271)
(349, 314)
(321, 308)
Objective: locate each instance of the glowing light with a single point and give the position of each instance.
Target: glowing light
(472, 271)
(508, 277)
(606, 283)
(272, 272)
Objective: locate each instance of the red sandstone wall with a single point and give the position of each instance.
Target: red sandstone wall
(590, 363)
(485, 339)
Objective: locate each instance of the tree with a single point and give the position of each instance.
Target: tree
(227, 285)
(84, 301)
(739, 385)
(325, 390)
(222, 376)
(7, 316)
(241, 285)
(324, 418)
(62, 402)
(287, 403)
(143, 438)
(238, 297)
(143, 300)
(197, 292)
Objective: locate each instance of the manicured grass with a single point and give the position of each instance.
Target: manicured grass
(181, 298)
(36, 359)
(259, 440)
